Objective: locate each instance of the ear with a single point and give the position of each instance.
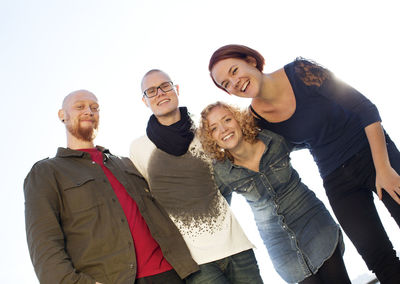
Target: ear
(177, 89)
(144, 100)
(251, 60)
(61, 115)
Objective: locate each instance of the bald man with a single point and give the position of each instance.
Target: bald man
(90, 217)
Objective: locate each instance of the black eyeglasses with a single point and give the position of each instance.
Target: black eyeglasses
(152, 91)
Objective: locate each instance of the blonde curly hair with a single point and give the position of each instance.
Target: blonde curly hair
(245, 120)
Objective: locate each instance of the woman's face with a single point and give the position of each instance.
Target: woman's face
(238, 77)
(224, 128)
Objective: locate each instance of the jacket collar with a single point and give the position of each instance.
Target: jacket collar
(66, 152)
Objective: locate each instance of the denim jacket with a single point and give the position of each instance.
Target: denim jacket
(296, 228)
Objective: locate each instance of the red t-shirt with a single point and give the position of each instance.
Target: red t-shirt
(149, 257)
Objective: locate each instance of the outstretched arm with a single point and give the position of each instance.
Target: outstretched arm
(386, 177)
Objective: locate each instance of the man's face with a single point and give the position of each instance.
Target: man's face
(163, 103)
(80, 114)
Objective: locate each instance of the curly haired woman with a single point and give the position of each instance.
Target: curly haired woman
(303, 241)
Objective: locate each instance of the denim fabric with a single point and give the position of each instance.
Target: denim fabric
(349, 189)
(296, 228)
(240, 268)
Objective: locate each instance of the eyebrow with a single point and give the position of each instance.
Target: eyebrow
(222, 118)
(230, 69)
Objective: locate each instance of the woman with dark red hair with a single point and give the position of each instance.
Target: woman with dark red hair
(312, 109)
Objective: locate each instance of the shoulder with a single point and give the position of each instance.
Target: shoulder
(309, 72)
(127, 165)
(266, 135)
(44, 165)
(140, 153)
(221, 168)
(141, 144)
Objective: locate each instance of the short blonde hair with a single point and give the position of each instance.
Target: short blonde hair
(245, 120)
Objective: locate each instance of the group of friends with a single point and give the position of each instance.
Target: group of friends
(163, 215)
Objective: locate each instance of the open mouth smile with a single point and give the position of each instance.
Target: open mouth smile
(244, 87)
(227, 137)
(163, 101)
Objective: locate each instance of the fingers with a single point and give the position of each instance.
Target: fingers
(395, 194)
(379, 192)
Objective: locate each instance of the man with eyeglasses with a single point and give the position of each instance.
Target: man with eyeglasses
(170, 158)
(90, 217)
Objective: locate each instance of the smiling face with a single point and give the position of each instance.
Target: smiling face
(164, 105)
(224, 128)
(80, 114)
(238, 77)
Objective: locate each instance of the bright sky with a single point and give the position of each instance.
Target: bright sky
(50, 48)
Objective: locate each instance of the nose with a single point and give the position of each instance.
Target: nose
(233, 85)
(88, 110)
(222, 128)
(159, 88)
(236, 84)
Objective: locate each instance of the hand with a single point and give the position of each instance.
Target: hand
(389, 180)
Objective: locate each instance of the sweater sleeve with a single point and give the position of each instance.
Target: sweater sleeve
(339, 92)
(44, 232)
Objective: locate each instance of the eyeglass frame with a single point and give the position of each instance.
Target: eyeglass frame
(159, 87)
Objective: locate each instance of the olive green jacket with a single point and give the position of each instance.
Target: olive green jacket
(76, 229)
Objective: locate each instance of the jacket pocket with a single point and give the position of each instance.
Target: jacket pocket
(281, 169)
(247, 187)
(80, 193)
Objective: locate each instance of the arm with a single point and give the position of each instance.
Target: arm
(386, 177)
(44, 232)
(353, 101)
(225, 190)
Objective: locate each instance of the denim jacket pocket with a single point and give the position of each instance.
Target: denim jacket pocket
(79, 193)
(246, 187)
(281, 168)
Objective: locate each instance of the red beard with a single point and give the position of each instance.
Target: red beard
(86, 134)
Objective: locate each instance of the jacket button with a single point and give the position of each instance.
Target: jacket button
(93, 162)
(131, 266)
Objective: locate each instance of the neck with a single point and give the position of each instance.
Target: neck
(169, 118)
(242, 152)
(75, 143)
(248, 155)
(271, 86)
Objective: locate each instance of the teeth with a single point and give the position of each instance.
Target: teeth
(245, 86)
(163, 101)
(227, 137)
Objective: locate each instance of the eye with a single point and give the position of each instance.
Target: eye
(212, 129)
(94, 108)
(165, 85)
(150, 91)
(79, 107)
(225, 84)
(228, 119)
(234, 71)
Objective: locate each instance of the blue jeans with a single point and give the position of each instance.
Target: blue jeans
(240, 268)
(349, 189)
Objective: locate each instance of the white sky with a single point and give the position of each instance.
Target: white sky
(50, 48)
